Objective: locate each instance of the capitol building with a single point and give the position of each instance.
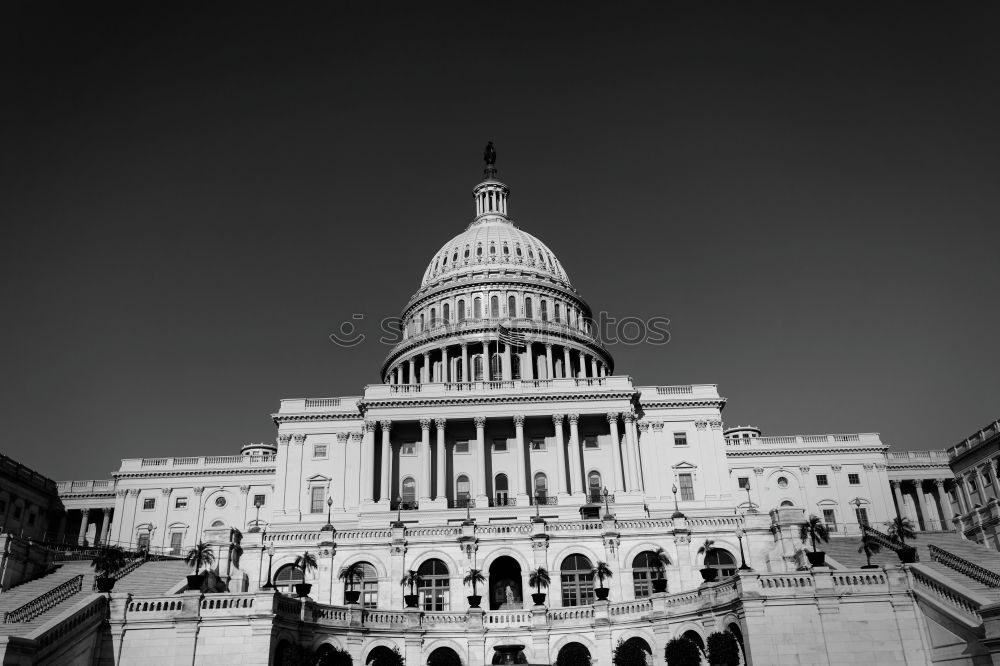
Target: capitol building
(501, 438)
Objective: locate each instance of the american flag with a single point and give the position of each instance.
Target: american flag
(510, 337)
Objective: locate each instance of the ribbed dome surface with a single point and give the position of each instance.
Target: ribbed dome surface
(493, 242)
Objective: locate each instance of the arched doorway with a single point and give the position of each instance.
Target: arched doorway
(444, 656)
(434, 586)
(287, 577)
(645, 569)
(722, 561)
(505, 584)
(382, 656)
(576, 581)
(501, 489)
(573, 654)
(695, 638)
(640, 643)
(734, 629)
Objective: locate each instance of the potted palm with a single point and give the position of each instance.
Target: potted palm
(108, 560)
(708, 574)
(538, 579)
(814, 529)
(307, 562)
(869, 547)
(200, 558)
(474, 577)
(411, 578)
(661, 562)
(349, 575)
(903, 529)
(602, 571)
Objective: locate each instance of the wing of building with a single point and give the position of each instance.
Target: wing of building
(532, 500)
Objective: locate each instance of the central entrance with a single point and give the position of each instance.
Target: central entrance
(505, 584)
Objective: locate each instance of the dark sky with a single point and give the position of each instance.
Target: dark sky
(193, 201)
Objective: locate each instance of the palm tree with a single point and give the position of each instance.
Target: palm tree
(351, 573)
(411, 578)
(602, 571)
(662, 560)
(814, 529)
(307, 562)
(869, 547)
(200, 557)
(901, 529)
(539, 578)
(108, 560)
(474, 576)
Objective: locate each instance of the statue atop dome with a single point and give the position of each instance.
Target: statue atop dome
(490, 157)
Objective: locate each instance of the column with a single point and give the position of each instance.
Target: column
(413, 370)
(945, 502)
(616, 452)
(575, 486)
(930, 510)
(549, 365)
(505, 363)
(593, 366)
(567, 366)
(105, 524)
(352, 493)
(425, 460)
(898, 494)
(528, 362)
(368, 463)
(481, 453)
(440, 488)
(991, 474)
(341, 500)
(964, 502)
(919, 495)
(84, 523)
(560, 475)
(486, 361)
(647, 467)
(444, 365)
(466, 370)
(385, 489)
(425, 373)
(519, 487)
(631, 454)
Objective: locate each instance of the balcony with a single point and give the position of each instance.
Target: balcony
(852, 440)
(101, 486)
(195, 463)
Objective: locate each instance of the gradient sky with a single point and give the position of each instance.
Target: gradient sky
(194, 198)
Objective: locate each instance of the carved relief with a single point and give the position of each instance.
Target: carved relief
(519, 420)
(356, 436)
(759, 471)
(198, 490)
(370, 426)
(612, 417)
(299, 437)
(386, 425)
(440, 423)
(425, 424)
(643, 426)
(573, 418)
(342, 437)
(284, 438)
(480, 421)
(658, 425)
(701, 425)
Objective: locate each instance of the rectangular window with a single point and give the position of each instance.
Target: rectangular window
(972, 483)
(408, 449)
(821, 480)
(462, 446)
(744, 482)
(319, 450)
(144, 541)
(590, 442)
(148, 503)
(862, 515)
(680, 439)
(258, 500)
(830, 518)
(318, 494)
(687, 486)
(181, 503)
(854, 479)
(538, 444)
(176, 541)
(500, 445)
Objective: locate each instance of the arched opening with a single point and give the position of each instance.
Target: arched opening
(408, 492)
(459, 375)
(477, 308)
(785, 503)
(446, 312)
(528, 312)
(381, 656)
(695, 638)
(365, 582)
(494, 307)
(433, 319)
(735, 630)
(573, 654)
(541, 488)
(508, 654)
(722, 561)
(496, 367)
(461, 310)
(515, 366)
(501, 488)
(477, 365)
(545, 310)
(594, 487)
(645, 569)
(640, 643)
(287, 577)
(511, 307)
(444, 656)
(463, 491)
(505, 584)
(434, 584)
(576, 581)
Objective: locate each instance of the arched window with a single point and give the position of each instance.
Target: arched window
(408, 491)
(461, 310)
(500, 487)
(511, 307)
(463, 491)
(433, 320)
(366, 583)
(555, 312)
(433, 588)
(466, 251)
(545, 310)
(446, 312)
(421, 322)
(494, 307)
(477, 367)
(287, 577)
(721, 560)
(576, 581)
(477, 308)
(541, 488)
(528, 314)
(645, 569)
(594, 487)
(479, 250)
(459, 371)
(496, 367)
(787, 503)
(515, 366)
(493, 249)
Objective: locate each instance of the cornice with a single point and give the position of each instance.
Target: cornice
(747, 453)
(256, 471)
(890, 466)
(673, 404)
(488, 399)
(108, 495)
(278, 418)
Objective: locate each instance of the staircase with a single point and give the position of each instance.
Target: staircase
(153, 578)
(16, 597)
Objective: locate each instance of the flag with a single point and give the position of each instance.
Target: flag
(511, 337)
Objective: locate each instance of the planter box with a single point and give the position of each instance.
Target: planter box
(352, 597)
(538, 598)
(195, 581)
(411, 600)
(601, 593)
(474, 600)
(708, 574)
(817, 558)
(303, 589)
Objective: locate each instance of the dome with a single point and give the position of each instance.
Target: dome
(494, 242)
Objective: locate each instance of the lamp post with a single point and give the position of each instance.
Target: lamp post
(740, 533)
(607, 511)
(256, 522)
(399, 508)
(270, 559)
(329, 514)
(750, 506)
(677, 508)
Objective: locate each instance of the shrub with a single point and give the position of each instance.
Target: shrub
(629, 653)
(573, 654)
(723, 650)
(682, 652)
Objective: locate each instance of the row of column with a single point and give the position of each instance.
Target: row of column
(439, 365)
(929, 504)
(626, 462)
(85, 524)
(977, 485)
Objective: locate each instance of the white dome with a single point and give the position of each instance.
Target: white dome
(493, 242)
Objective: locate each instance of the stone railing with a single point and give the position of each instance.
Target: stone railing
(575, 526)
(293, 536)
(515, 386)
(964, 566)
(513, 618)
(903, 458)
(45, 601)
(975, 439)
(128, 568)
(158, 464)
(363, 535)
(867, 438)
(88, 486)
(946, 591)
(880, 538)
(51, 634)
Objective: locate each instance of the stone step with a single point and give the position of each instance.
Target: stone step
(154, 577)
(26, 628)
(16, 597)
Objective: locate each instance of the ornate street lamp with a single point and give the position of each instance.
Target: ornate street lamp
(607, 511)
(750, 504)
(740, 533)
(256, 522)
(329, 514)
(677, 508)
(270, 559)
(399, 508)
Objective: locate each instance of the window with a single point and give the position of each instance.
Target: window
(366, 583)
(782, 482)
(680, 439)
(821, 480)
(462, 446)
(528, 312)
(258, 500)
(477, 368)
(545, 310)
(287, 578)
(317, 494)
(181, 503)
(722, 561)
(17, 512)
(220, 501)
(148, 503)
(645, 568)
(496, 368)
(433, 320)
(500, 445)
(787, 503)
(408, 449)
(594, 487)
(31, 519)
(433, 586)
(830, 518)
(511, 307)
(537, 443)
(494, 307)
(687, 486)
(501, 489)
(477, 308)
(409, 492)
(541, 487)
(861, 514)
(143, 542)
(3, 506)
(744, 482)
(446, 312)
(590, 442)
(854, 479)
(576, 581)
(462, 491)
(972, 483)
(515, 366)
(461, 310)
(555, 313)
(319, 451)
(176, 542)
